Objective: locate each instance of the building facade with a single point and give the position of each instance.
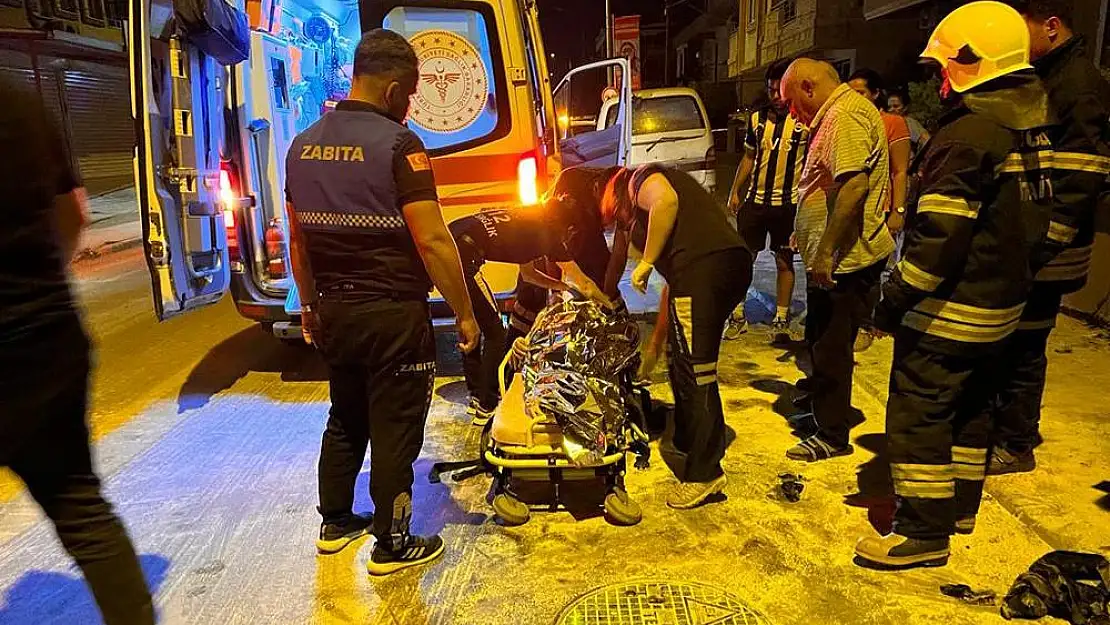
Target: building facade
(71, 53)
(836, 30)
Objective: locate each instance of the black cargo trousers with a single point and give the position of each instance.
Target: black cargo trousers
(481, 365)
(1018, 416)
(45, 441)
(939, 424)
(702, 297)
(380, 355)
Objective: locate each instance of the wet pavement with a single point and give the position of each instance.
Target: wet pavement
(208, 432)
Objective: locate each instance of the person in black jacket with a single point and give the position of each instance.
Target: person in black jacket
(960, 288)
(1080, 97)
(558, 231)
(46, 357)
(681, 231)
(583, 187)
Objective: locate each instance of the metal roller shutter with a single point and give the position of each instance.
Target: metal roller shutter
(98, 108)
(16, 67)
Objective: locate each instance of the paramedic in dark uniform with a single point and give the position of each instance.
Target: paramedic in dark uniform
(45, 358)
(680, 230)
(1079, 96)
(957, 294)
(584, 186)
(368, 242)
(555, 231)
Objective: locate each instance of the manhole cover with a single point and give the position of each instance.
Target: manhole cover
(658, 603)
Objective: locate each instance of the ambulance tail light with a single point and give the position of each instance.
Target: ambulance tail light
(229, 199)
(528, 176)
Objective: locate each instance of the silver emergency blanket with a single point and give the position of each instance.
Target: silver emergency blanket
(571, 373)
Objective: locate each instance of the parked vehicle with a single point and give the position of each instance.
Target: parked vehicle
(669, 126)
(220, 90)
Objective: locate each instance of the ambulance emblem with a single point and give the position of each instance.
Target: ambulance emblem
(452, 86)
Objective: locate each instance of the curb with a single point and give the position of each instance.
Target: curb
(92, 253)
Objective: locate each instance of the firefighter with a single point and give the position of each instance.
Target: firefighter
(1079, 95)
(680, 230)
(367, 243)
(555, 231)
(960, 288)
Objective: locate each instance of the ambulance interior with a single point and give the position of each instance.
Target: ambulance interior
(300, 66)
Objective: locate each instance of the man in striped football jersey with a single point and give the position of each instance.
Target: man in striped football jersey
(764, 195)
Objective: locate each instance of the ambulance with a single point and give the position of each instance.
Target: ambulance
(219, 90)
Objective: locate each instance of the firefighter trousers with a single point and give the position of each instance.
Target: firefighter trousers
(939, 421)
(1025, 360)
(701, 299)
(381, 367)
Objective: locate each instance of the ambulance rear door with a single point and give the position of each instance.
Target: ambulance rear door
(178, 100)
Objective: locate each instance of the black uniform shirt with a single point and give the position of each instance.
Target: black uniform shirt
(515, 235)
(701, 227)
(350, 206)
(34, 292)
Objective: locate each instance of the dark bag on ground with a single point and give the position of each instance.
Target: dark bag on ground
(1065, 584)
(216, 28)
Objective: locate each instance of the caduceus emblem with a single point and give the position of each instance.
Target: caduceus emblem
(441, 79)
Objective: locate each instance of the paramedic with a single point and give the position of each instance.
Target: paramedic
(45, 357)
(1079, 97)
(679, 229)
(583, 185)
(959, 290)
(367, 244)
(553, 230)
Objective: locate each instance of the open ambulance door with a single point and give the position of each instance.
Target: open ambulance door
(178, 103)
(579, 100)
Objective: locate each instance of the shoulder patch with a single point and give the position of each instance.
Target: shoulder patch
(418, 161)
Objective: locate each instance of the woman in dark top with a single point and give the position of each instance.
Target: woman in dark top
(681, 231)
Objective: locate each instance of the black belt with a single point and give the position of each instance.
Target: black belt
(349, 296)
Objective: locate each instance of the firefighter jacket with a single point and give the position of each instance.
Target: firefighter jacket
(986, 200)
(1079, 96)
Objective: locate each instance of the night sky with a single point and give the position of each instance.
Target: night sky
(570, 26)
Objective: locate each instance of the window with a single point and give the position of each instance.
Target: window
(461, 98)
(789, 11)
(843, 68)
(669, 114)
(280, 84)
(752, 8)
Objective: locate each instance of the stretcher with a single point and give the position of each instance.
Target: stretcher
(519, 447)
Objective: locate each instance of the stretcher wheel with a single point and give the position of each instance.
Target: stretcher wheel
(621, 510)
(511, 510)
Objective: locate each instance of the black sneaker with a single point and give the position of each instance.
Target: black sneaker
(898, 552)
(1004, 462)
(415, 551)
(334, 537)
